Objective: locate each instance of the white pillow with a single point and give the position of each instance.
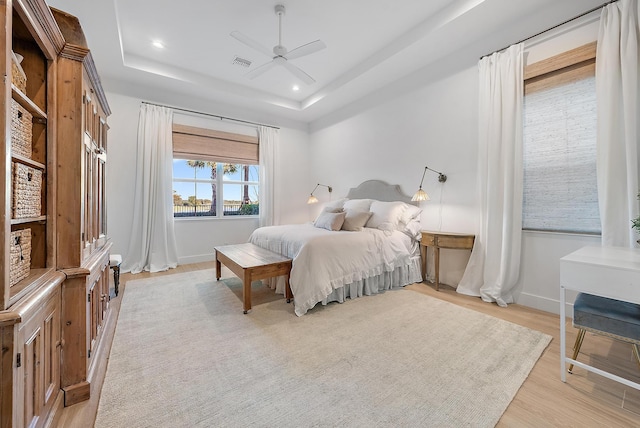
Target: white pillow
(333, 204)
(386, 215)
(411, 213)
(413, 229)
(330, 221)
(355, 220)
(358, 204)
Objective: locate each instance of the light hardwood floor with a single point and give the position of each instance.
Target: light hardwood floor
(585, 400)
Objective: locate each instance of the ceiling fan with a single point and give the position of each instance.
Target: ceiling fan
(282, 55)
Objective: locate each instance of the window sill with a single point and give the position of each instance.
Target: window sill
(208, 218)
(554, 232)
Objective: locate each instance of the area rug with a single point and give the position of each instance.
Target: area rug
(184, 355)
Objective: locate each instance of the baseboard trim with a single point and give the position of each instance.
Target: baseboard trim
(544, 304)
(200, 258)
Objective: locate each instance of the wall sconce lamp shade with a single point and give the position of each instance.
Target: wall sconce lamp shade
(312, 199)
(421, 195)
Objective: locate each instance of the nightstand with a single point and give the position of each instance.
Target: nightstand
(437, 240)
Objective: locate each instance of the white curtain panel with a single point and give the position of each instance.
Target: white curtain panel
(267, 150)
(152, 246)
(618, 113)
(494, 265)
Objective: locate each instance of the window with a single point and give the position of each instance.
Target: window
(215, 174)
(559, 138)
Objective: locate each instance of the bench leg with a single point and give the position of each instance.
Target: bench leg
(287, 290)
(116, 278)
(246, 292)
(218, 269)
(576, 347)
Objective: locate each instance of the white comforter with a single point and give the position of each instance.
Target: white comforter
(324, 261)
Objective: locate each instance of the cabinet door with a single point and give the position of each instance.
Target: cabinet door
(87, 196)
(39, 363)
(94, 308)
(51, 353)
(33, 380)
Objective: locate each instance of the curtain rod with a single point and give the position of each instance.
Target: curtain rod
(554, 27)
(210, 115)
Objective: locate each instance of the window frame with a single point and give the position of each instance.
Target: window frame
(208, 145)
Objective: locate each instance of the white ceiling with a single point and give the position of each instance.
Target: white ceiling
(373, 46)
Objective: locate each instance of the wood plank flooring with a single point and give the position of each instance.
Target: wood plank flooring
(585, 400)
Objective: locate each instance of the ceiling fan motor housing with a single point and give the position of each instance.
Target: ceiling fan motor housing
(279, 50)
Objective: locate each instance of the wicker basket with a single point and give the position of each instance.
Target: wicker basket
(19, 255)
(27, 194)
(21, 130)
(18, 78)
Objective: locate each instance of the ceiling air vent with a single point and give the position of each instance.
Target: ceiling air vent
(241, 62)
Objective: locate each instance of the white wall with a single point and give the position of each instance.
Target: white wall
(433, 126)
(196, 238)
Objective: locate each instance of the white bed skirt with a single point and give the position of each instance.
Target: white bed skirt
(401, 276)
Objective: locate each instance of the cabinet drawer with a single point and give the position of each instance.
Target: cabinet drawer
(449, 241)
(429, 240)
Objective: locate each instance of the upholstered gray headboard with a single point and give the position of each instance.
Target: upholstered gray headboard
(379, 190)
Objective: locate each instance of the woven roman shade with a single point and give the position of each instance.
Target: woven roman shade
(559, 144)
(194, 143)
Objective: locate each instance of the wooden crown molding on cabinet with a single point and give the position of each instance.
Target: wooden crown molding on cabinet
(48, 31)
(76, 48)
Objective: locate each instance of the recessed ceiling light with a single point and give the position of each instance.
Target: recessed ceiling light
(158, 44)
(296, 88)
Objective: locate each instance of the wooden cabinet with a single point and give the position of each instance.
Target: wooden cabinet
(82, 238)
(30, 303)
(53, 227)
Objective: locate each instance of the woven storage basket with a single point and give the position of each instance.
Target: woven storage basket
(27, 194)
(19, 255)
(18, 78)
(21, 130)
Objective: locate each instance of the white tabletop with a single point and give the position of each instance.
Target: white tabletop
(612, 272)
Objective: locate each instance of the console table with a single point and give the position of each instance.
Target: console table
(612, 272)
(437, 240)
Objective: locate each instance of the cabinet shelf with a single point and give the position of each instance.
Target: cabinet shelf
(40, 219)
(28, 162)
(29, 105)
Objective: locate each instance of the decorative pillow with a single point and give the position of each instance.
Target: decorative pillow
(330, 221)
(332, 210)
(358, 204)
(329, 209)
(386, 215)
(355, 220)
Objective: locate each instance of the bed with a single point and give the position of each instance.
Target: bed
(360, 245)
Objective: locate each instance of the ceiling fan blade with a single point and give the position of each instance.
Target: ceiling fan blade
(298, 73)
(307, 49)
(260, 70)
(251, 43)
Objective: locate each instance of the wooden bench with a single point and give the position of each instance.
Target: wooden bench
(251, 263)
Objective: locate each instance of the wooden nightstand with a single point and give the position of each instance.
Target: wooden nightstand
(437, 240)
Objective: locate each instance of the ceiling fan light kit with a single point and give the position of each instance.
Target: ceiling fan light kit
(282, 55)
